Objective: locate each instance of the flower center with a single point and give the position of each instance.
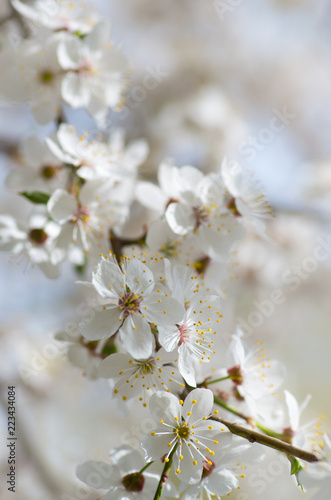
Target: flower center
(38, 236)
(201, 216)
(207, 468)
(200, 266)
(83, 214)
(183, 431)
(129, 303)
(49, 171)
(168, 249)
(184, 333)
(46, 77)
(232, 207)
(85, 69)
(236, 374)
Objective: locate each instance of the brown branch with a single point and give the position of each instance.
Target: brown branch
(271, 442)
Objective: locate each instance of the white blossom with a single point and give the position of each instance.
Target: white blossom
(120, 479)
(87, 219)
(141, 377)
(59, 14)
(95, 77)
(247, 198)
(41, 170)
(33, 75)
(184, 430)
(34, 240)
(193, 335)
(200, 210)
(133, 304)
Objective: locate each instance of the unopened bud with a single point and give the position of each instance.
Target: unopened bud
(236, 374)
(133, 482)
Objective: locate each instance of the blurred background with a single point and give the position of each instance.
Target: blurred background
(224, 71)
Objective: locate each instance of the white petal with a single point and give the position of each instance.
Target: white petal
(99, 36)
(22, 178)
(100, 323)
(61, 155)
(124, 456)
(75, 91)
(69, 52)
(45, 110)
(97, 474)
(114, 364)
(34, 150)
(151, 196)
(180, 218)
(293, 410)
(156, 446)
(189, 473)
(165, 406)
(167, 312)
(188, 178)
(201, 408)
(236, 352)
(169, 337)
(108, 279)
(137, 337)
(185, 366)
(222, 482)
(139, 277)
(68, 139)
(135, 154)
(62, 205)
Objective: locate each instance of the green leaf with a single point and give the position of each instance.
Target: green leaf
(36, 197)
(296, 467)
(108, 350)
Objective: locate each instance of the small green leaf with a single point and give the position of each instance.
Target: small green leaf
(296, 467)
(108, 350)
(36, 197)
(79, 34)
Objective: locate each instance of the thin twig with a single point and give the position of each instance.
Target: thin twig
(271, 442)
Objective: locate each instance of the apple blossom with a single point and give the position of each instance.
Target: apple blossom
(184, 427)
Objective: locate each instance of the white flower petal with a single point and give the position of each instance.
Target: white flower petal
(185, 366)
(204, 403)
(135, 154)
(167, 312)
(222, 482)
(293, 410)
(113, 365)
(139, 277)
(189, 473)
(99, 475)
(137, 337)
(62, 205)
(156, 446)
(165, 406)
(75, 91)
(100, 323)
(99, 36)
(151, 196)
(108, 279)
(69, 52)
(169, 337)
(180, 218)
